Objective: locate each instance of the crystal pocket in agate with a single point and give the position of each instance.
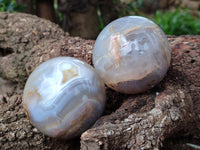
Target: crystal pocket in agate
(63, 97)
(131, 54)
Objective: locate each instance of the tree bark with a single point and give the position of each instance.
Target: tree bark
(108, 12)
(152, 120)
(80, 17)
(45, 9)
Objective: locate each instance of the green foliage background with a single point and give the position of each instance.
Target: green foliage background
(176, 22)
(10, 6)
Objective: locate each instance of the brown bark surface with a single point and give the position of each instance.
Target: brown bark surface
(79, 17)
(165, 117)
(45, 9)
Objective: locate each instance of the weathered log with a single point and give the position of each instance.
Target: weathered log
(176, 103)
(151, 120)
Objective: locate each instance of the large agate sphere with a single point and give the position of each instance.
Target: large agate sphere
(63, 97)
(131, 54)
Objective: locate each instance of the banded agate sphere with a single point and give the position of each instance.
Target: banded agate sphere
(131, 54)
(63, 97)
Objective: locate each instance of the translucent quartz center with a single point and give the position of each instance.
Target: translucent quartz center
(63, 97)
(131, 54)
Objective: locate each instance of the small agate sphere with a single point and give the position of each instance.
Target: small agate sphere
(131, 54)
(63, 97)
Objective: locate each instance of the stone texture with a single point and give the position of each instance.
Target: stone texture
(26, 42)
(166, 117)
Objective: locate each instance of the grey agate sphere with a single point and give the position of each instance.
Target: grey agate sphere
(63, 97)
(131, 54)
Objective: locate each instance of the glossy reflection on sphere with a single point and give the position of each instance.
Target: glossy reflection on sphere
(63, 97)
(131, 54)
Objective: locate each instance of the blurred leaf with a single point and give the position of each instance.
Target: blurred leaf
(194, 146)
(100, 19)
(19, 7)
(10, 6)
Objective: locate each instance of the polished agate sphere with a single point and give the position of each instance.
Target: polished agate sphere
(131, 54)
(63, 97)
